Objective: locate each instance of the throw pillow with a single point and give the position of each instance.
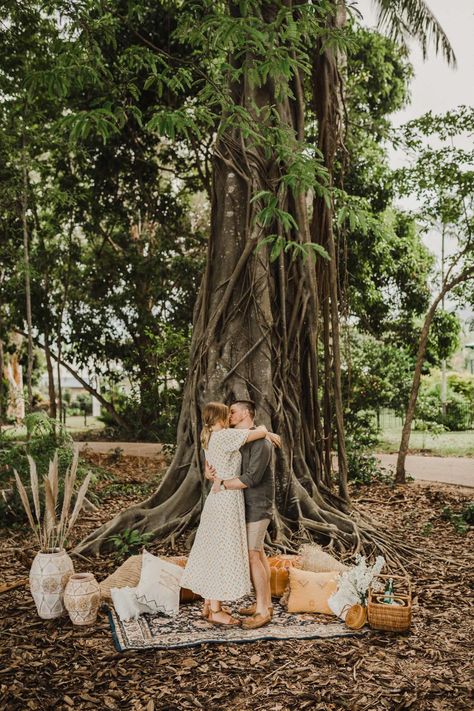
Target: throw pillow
(314, 558)
(309, 592)
(159, 585)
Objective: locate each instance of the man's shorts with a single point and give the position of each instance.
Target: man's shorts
(256, 531)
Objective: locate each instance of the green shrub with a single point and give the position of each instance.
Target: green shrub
(361, 439)
(45, 437)
(129, 542)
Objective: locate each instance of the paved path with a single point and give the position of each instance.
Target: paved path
(446, 470)
(129, 449)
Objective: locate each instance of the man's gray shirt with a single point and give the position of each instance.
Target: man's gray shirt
(257, 474)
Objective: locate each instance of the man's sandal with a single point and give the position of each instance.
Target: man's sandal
(250, 611)
(233, 622)
(256, 621)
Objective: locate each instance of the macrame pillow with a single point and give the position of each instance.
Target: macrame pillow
(309, 592)
(314, 558)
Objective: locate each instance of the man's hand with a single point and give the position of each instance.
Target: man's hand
(274, 439)
(209, 471)
(216, 486)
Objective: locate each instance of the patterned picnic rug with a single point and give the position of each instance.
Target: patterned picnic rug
(189, 629)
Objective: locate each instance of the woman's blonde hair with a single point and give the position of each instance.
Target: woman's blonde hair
(213, 413)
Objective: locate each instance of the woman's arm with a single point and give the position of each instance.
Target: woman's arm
(258, 433)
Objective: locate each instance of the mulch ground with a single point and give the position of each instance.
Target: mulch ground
(51, 665)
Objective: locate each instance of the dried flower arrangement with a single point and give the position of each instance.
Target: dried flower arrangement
(354, 585)
(51, 532)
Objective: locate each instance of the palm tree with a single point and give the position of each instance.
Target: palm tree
(405, 19)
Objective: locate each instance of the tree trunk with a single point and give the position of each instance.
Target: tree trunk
(50, 371)
(327, 103)
(255, 336)
(400, 474)
(2, 386)
(26, 257)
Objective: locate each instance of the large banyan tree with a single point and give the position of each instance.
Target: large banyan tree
(266, 323)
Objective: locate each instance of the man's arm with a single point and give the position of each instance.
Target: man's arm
(259, 459)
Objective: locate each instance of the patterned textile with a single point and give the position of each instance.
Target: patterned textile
(218, 564)
(189, 629)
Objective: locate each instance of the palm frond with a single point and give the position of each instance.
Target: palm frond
(402, 19)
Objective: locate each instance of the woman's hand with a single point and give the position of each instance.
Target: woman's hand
(274, 439)
(209, 471)
(262, 428)
(216, 486)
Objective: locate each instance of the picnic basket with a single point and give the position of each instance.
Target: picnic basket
(383, 616)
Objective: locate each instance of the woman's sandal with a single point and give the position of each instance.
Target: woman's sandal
(233, 622)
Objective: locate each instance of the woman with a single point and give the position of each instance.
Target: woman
(218, 564)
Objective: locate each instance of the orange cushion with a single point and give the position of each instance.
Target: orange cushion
(309, 592)
(279, 567)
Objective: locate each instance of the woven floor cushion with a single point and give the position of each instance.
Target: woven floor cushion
(128, 574)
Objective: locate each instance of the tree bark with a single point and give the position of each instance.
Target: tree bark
(400, 474)
(327, 103)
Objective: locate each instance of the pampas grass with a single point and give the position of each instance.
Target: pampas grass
(48, 530)
(314, 558)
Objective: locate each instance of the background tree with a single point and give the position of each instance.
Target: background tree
(443, 181)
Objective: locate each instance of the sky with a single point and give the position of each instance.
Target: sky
(436, 86)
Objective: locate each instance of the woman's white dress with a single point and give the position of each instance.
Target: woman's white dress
(218, 564)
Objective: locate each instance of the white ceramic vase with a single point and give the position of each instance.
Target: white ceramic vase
(82, 598)
(49, 574)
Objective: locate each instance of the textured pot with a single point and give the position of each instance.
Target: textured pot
(49, 574)
(82, 598)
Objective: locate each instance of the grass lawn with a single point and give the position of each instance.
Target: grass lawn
(74, 424)
(448, 444)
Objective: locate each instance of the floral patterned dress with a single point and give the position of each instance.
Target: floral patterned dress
(218, 564)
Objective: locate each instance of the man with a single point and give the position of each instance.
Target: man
(257, 482)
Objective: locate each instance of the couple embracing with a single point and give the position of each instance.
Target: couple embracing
(228, 550)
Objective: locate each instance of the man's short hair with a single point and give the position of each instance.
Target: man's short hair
(249, 404)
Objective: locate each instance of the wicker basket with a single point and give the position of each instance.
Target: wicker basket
(390, 618)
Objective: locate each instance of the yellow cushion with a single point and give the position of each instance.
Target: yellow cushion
(309, 592)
